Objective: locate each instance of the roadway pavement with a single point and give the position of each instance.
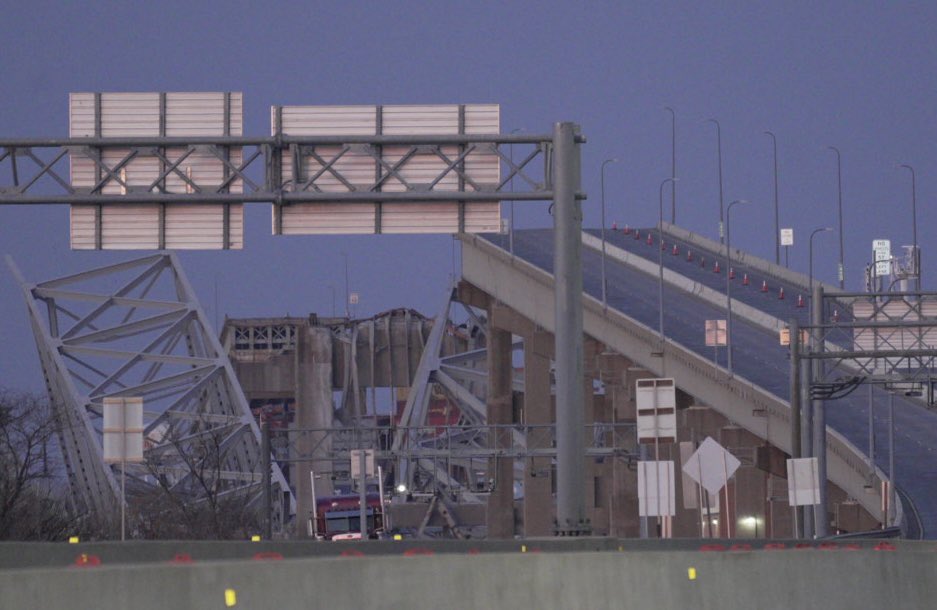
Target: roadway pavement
(757, 355)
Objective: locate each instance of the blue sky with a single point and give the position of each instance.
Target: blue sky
(857, 75)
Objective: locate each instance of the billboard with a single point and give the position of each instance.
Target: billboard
(184, 169)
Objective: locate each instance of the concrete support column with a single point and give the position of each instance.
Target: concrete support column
(500, 413)
(312, 378)
(539, 512)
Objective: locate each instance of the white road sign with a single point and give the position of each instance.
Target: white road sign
(882, 250)
(803, 486)
(657, 410)
(123, 429)
(787, 237)
(657, 495)
(711, 466)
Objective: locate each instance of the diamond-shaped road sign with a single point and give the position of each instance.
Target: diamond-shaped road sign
(711, 465)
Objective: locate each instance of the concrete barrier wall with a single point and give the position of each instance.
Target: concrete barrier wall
(764, 579)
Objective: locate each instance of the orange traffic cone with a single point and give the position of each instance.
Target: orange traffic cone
(674, 252)
(781, 293)
(716, 267)
(650, 239)
(764, 285)
(731, 273)
(689, 255)
(800, 300)
(745, 280)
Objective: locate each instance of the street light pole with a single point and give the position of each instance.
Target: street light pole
(916, 256)
(839, 190)
(673, 164)
(815, 231)
(777, 221)
(604, 282)
(719, 150)
(728, 287)
(660, 263)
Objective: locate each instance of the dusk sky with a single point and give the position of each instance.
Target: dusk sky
(860, 76)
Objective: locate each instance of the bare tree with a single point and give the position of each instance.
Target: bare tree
(30, 508)
(199, 494)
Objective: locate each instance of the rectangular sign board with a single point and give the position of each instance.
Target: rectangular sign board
(657, 495)
(355, 168)
(144, 170)
(123, 429)
(787, 237)
(881, 249)
(803, 486)
(356, 455)
(656, 402)
(715, 333)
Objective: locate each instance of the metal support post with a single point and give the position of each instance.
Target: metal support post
(806, 430)
(892, 491)
(570, 411)
(821, 527)
(362, 495)
(796, 423)
(267, 483)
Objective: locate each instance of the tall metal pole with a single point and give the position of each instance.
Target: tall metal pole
(728, 289)
(796, 416)
(777, 219)
(570, 416)
(604, 282)
(915, 254)
(891, 452)
(267, 482)
(719, 150)
(839, 190)
(660, 264)
(673, 164)
(821, 526)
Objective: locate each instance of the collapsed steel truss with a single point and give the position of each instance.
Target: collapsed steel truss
(136, 329)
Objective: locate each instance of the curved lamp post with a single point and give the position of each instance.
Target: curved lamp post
(839, 190)
(673, 164)
(777, 221)
(728, 287)
(604, 283)
(719, 150)
(917, 257)
(815, 231)
(660, 263)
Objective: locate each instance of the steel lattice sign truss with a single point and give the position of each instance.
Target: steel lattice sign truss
(409, 167)
(899, 330)
(203, 169)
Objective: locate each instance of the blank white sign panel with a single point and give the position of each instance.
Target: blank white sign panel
(136, 226)
(359, 169)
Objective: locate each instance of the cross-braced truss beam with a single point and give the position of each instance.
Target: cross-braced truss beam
(136, 329)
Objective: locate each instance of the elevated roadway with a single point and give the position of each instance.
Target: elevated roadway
(756, 394)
